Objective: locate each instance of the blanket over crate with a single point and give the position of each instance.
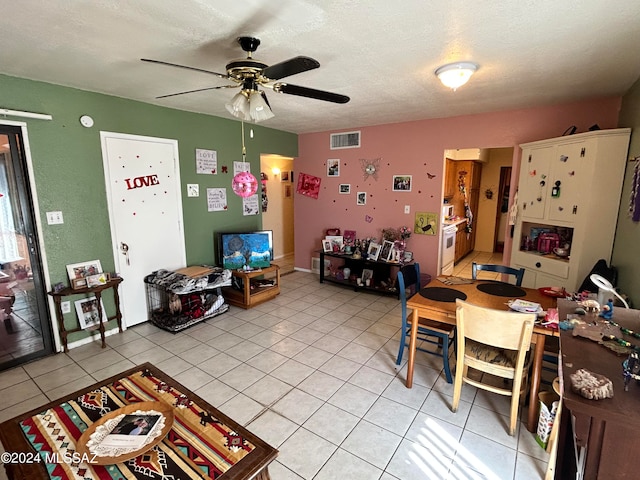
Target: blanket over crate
(179, 299)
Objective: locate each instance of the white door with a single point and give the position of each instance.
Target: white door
(145, 210)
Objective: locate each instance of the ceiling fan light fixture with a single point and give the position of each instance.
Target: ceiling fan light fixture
(239, 106)
(454, 75)
(258, 108)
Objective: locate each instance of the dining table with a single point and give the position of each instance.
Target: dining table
(437, 301)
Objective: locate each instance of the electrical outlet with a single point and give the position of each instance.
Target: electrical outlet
(407, 209)
(54, 218)
(66, 307)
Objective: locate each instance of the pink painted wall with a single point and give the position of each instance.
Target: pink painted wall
(417, 148)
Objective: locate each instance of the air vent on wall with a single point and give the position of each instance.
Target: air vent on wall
(345, 140)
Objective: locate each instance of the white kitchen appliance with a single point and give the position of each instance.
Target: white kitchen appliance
(447, 212)
(448, 249)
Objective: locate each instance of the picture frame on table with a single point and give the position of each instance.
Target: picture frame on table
(337, 242)
(373, 252)
(98, 280)
(408, 256)
(386, 253)
(88, 313)
(367, 274)
(84, 269)
(326, 246)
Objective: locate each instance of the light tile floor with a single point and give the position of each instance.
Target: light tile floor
(313, 373)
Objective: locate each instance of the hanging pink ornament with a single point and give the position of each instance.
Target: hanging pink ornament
(244, 184)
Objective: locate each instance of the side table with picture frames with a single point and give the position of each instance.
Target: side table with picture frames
(381, 274)
(112, 283)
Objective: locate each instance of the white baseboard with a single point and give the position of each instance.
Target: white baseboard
(89, 339)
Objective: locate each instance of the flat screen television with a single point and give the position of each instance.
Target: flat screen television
(237, 249)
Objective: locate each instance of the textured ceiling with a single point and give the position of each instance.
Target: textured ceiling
(380, 53)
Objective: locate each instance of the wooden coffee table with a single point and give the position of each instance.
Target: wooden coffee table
(203, 442)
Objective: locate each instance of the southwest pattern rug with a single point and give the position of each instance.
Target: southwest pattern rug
(198, 445)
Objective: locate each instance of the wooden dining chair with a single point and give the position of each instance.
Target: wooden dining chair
(489, 267)
(494, 342)
(429, 331)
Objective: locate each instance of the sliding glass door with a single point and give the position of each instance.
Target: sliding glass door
(25, 327)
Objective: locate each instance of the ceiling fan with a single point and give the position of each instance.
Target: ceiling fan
(248, 74)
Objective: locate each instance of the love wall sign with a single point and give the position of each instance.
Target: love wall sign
(139, 182)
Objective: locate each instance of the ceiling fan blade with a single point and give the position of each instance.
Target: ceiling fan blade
(198, 90)
(310, 93)
(290, 67)
(160, 62)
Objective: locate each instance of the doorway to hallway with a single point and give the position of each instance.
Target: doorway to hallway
(278, 187)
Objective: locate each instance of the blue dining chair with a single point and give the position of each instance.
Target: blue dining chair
(488, 267)
(429, 331)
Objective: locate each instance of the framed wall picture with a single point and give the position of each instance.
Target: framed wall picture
(333, 167)
(88, 314)
(374, 251)
(84, 269)
(426, 223)
(361, 198)
(344, 188)
(402, 183)
(386, 253)
(284, 176)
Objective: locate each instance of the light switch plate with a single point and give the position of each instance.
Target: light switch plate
(66, 307)
(193, 190)
(54, 218)
(407, 209)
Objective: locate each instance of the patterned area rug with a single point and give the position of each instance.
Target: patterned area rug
(199, 445)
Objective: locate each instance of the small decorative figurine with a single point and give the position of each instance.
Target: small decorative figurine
(607, 310)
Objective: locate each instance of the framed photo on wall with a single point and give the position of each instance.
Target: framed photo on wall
(402, 183)
(344, 188)
(361, 198)
(333, 167)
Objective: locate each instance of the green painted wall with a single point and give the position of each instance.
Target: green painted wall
(69, 176)
(625, 256)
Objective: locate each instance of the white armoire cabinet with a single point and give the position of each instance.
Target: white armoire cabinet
(568, 196)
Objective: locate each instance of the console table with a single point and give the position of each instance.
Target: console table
(97, 291)
(382, 272)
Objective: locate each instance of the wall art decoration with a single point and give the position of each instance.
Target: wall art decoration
(216, 199)
(206, 161)
(308, 185)
(370, 168)
(344, 188)
(426, 223)
(361, 198)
